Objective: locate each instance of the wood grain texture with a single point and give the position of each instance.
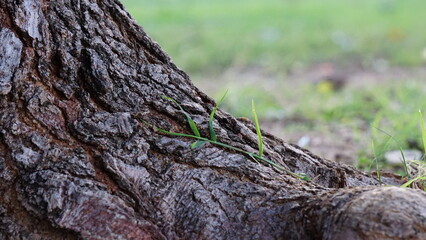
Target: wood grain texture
(77, 80)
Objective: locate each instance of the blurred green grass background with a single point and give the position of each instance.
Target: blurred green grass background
(210, 36)
(280, 52)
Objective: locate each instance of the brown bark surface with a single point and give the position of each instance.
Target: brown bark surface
(77, 80)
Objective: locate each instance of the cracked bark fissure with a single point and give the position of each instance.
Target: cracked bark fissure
(77, 80)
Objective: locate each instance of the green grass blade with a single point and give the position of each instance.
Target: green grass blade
(304, 177)
(375, 125)
(412, 180)
(202, 140)
(170, 99)
(192, 125)
(422, 124)
(211, 129)
(259, 134)
(404, 161)
(191, 122)
(172, 133)
(197, 144)
(377, 162)
(254, 159)
(253, 156)
(400, 149)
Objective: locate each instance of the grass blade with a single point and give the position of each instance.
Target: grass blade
(172, 133)
(191, 122)
(400, 149)
(377, 163)
(192, 125)
(254, 159)
(412, 180)
(253, 156)
(202, 140)
(197, 144)
(259, 134)
(422, 124)
(211, 129)
(304, 177)
(404, 161)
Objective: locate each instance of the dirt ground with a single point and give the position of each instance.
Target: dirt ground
(331, 141)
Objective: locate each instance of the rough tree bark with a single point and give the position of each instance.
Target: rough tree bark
(77, 80)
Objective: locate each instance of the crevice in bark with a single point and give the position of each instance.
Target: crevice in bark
(15, 221)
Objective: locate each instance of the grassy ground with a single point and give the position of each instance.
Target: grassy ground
(274, 52)
(281, 34)
(340, 123)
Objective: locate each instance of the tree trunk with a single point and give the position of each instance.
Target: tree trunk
(80, 89)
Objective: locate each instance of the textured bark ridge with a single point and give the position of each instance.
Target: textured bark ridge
(78, 78)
